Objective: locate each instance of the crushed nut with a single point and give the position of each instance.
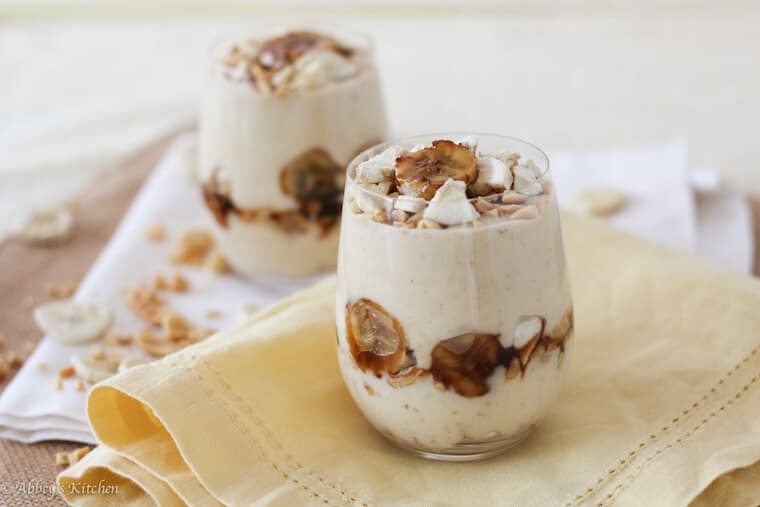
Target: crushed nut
(429, 224)
(193, 248)
(218, 263)
(179, 283)
(176, 327)
(67, 372)
(160, 283)
(71, 457)
(156, 233)
(62, 290)
(146, 303)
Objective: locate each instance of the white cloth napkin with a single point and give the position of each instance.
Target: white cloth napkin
(31, 409)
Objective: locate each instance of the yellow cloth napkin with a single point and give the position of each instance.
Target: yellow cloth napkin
(661, 399)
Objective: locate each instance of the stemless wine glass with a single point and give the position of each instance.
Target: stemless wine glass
(453, 340)
(282, 115)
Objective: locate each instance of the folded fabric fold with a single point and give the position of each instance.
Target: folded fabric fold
(661, 399)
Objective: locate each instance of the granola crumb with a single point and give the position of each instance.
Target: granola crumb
(193, 248)
(156, 233)
(218, 263)
(71, 457)
(179, 283)
(160, 283)
(61, 290)
(15, 360)
(67, 372)
(175, 326)
(213, 314)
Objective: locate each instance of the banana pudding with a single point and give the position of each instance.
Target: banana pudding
(454, 314)
(281, 118)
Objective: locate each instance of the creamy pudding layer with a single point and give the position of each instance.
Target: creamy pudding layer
(453, 333)
(280, 120)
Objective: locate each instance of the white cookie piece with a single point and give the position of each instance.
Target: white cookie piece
(599, 201)
(378, 168)
(526, 180)
(493, 174)
(527, 329)
(319, 67)
(410, 203)
(47, 228)
(449, 205)
(73, 322)
(470, 142)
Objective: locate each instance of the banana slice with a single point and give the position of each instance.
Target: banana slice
(376, 338)
(92, 371)
(493, 176)
(423, 172)
(465, 362)
(599, 201)
(73, 322)
(47, 228)
(450, 205)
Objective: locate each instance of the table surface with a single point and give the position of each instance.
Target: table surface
(27, 270)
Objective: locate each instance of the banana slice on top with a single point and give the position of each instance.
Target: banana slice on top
(422, 172)
(73, 322)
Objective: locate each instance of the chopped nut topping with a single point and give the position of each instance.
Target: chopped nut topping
(179, 283)
(146, 303)
(155, 233)
(176, 327)
(193, 247)
(61, 291)
(67, 372)
(218, 264)
(71, 457)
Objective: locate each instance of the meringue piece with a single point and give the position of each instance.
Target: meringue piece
(450, 206)
(528, 328)
(47, 228)
(369, 197)
(410, 203)
(72, 322)
(316, 68)
(526, 180)
(380, 167)
(470, 142)
(493, 174)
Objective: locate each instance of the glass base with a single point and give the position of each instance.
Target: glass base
(470, 451)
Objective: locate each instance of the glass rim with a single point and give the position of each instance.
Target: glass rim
(427, 138)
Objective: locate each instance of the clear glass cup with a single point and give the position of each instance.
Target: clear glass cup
(454, 341)
(272, 156)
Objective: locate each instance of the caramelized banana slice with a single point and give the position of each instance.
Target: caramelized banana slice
(465, 362)
(283, 50)
(422, 172)
(376, 339)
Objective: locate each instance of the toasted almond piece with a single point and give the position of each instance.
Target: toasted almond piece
(423, 172)
(525, 213)
(155, 232)
(429, 224)
(179, 283)
(146, 303)
(72, 322)
(67, 372)
(513, 370)
(380, 216)
(160, 282)
(482, 205)
(48, 228)
(355, 207)
(513, 198)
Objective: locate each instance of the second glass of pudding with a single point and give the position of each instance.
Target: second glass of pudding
(454, 312)
(281, 118)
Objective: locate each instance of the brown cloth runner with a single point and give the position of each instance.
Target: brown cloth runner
(25, 271)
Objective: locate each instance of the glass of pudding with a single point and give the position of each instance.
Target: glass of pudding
(454, 313)
(281, 118)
